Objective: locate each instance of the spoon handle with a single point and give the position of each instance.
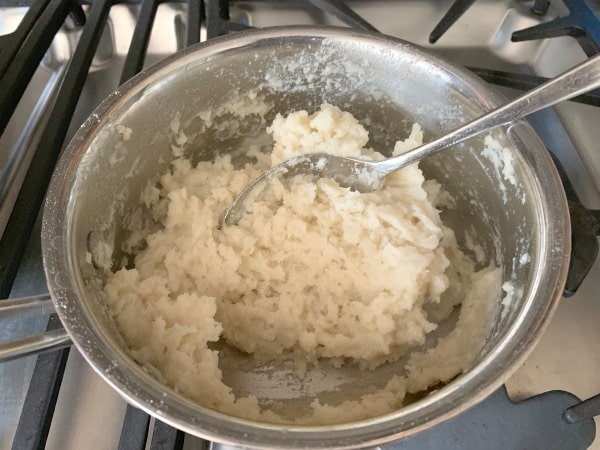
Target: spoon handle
(578, 80)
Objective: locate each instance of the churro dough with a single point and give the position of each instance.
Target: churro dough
(313, 272)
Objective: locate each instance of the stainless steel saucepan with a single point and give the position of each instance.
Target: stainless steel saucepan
(222, 94)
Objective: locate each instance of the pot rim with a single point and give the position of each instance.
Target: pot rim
(151, 396)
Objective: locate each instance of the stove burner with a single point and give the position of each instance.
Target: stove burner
(218, 21)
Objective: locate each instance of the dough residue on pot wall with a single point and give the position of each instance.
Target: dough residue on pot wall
(314, 271)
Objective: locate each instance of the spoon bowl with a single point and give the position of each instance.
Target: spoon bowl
(365, 176)
(357, 174)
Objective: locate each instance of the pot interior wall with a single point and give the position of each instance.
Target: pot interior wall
(225, 101)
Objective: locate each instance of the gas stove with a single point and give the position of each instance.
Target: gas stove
(78, 53)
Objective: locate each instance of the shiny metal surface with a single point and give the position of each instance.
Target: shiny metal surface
(50, 340)
(437, 95)
(366, 176)
(20, 308)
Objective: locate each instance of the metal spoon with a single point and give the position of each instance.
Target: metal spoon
(366, 176)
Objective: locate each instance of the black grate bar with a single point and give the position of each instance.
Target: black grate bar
(13, 41)
(135, 429)
(139, 42)
(217, 19)
(540, 7)
(585, 410)
(28, 3)
(458, 8)
(195, 18)
(340, 10)
(528, 82)
(30, 198)
(40, 402)
(581, 23)
(15, 3)
(165, 437)
(585, 229)
(22, 51)
(77, 14)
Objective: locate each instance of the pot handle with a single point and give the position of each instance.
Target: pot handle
(27, 306)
